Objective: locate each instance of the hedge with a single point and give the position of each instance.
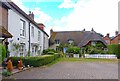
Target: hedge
(56, 55)
(114, 49)
(35, 61)
(2, 52)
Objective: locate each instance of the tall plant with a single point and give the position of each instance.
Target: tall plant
(17, 46)
(2, 52)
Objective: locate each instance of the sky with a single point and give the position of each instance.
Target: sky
(74, 15)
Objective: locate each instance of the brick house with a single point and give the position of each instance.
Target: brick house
(113, 40)
(107, 39)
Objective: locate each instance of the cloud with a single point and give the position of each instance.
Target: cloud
(41, 17)
(102, 15)
(67, 4)
(20, 5)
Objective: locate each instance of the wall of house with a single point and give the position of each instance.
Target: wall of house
(115, 40)
(14, 27)
(3, 17)
(34, 40)
(107, 40)
(46, 42)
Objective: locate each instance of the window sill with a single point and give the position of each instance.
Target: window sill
(22, 37)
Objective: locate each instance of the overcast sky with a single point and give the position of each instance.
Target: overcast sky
(70, 15)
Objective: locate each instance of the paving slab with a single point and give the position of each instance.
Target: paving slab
(71, 70)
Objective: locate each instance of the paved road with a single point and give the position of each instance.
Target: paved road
(72, 70)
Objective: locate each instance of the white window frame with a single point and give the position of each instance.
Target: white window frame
(39, 35)
(22, 50)
(22, 29)
(32, 31)
(57, 41)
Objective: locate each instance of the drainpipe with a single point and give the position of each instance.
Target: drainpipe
(29, 36)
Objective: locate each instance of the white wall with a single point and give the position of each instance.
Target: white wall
(14, 27)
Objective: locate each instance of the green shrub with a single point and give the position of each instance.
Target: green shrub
(75, 50)
(34, 61)
(49, 51)
(114, 49)
(6, 73)
(2, 52)
(56, 55)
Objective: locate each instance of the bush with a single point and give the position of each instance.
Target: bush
(114, 49)
(2, 51)
(34, 61)
(56, 55)
(6, 73)
(49, 51)
(75, 50)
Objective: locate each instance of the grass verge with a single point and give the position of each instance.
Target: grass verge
(98, 60)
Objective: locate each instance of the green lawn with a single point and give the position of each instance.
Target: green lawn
(98, 60)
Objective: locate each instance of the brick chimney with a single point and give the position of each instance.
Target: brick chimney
(31, 15)
(108, 35)
(116, 33)
(41, 26)
(51, 31)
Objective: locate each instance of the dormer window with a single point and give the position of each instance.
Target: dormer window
(70, 41)
(57, 41)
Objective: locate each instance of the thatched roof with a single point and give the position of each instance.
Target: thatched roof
(80, 38)
(4, 33)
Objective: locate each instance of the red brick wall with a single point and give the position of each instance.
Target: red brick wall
(115, 40)
(106, 38)
(3, 17)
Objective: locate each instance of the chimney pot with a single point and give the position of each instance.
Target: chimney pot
(108, 35)
(116, 33)
(51, 31)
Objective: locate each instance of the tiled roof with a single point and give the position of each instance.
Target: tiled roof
(81, 38)
(4, 33)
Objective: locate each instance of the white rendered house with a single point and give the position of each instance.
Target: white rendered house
(28, 38)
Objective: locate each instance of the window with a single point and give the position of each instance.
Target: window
(119, 41)
(70, 41)
(22, 50)
(57, 41)
(38, 35)
(107, 41)
(22, 30)
(57, 48)
(32, 49)
(32, 33)
(93, 43)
